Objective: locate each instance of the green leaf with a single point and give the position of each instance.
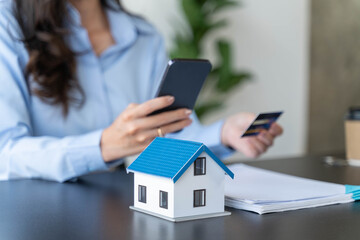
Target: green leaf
(224, 4)
(228, 83)
(185, 50)
(202, 109)
(224, 50)
(193, 13)
(215, 71)
(219, 24)
(201, 2)
(227, 78)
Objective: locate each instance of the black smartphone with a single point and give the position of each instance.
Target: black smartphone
(183, 79)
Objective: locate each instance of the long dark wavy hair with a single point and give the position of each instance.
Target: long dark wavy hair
(51, 63)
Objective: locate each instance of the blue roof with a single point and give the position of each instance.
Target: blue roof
(170, 158)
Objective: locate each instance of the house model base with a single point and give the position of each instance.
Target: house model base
(182, 219)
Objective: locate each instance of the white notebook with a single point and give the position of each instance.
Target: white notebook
(263, 191)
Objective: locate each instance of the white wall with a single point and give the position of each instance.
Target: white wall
(271, 40)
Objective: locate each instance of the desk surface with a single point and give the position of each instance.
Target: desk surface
(97, 207)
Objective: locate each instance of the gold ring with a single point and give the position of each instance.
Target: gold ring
(160, 133)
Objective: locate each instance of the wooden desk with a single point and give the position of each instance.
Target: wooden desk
(97, 207)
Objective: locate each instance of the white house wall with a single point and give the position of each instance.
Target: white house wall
(153, 185)
(213, 182)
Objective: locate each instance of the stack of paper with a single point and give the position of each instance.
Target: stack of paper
(264, 191)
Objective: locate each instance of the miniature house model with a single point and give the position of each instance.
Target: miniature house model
(179, 180)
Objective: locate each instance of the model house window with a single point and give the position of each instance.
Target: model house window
(142, 194)
(199, 198)
(163, 199)
(200, 166)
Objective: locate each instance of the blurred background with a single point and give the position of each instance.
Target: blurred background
(299, 56)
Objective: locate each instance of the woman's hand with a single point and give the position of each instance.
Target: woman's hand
(133, 129)
(252, 147)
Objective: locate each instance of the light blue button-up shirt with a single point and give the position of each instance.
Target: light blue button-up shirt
(37, 141)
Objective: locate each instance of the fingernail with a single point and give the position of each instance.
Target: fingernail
(188, 112)
(171, 98)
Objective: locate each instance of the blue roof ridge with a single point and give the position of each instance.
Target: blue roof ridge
(185, 141)
(190, 159)
(219, 162)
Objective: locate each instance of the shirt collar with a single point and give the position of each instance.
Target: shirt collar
(122, 29)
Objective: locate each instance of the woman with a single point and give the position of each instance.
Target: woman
(77, 78)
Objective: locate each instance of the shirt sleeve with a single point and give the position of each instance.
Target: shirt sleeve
(23, 155)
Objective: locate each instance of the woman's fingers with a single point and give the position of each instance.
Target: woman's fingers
(275, 130)
(249, 149)
(173, 127)
(259, 146)
(132, 106)
(163, 118)
(149, 135)
(148, 107)
(132, 131)
(266, 138)
(261, 143)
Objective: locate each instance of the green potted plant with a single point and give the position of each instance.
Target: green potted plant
(188, 43)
